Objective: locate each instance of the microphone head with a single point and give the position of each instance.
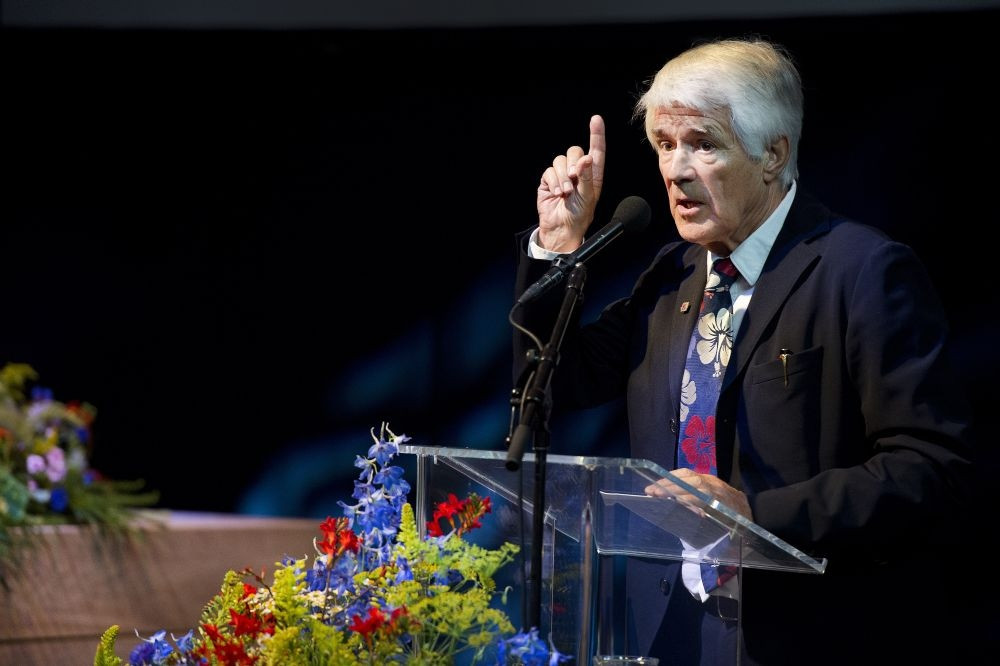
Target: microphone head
(633, 213)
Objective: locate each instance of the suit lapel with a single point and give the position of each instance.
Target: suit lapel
(789, 259)
(683, 319)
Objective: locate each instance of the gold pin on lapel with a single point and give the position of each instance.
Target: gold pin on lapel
(685, 306)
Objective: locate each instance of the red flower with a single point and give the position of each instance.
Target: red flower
(376, 619)
(338, 537)
(348, 540)
(85, 412)
(212, 631)
(698, 444)
(226, 651)
(449, 508)
(468, 512)
(244, 624)
(233, 654)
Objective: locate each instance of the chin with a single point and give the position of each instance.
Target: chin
(695, 231)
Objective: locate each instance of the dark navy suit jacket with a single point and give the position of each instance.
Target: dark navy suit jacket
(864, 457)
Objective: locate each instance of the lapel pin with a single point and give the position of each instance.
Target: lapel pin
(685, 306)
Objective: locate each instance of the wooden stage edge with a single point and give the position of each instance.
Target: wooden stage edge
(72, 583)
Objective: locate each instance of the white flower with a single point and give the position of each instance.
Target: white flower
(689, 393)
(716, 341)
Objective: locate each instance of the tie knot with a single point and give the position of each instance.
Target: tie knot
(726, 270)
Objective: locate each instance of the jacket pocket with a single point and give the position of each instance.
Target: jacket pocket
(807, 362)
(781, 422)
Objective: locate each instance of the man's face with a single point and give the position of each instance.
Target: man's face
(718, 195)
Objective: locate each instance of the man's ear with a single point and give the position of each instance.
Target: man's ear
(775, 158)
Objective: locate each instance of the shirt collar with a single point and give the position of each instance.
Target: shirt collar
(750, 255)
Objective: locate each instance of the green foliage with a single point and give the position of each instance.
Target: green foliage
(106, 648)
(216, 611)
(301, 637)
(454, 617)
(13, 378)
(289, 583)
(311, 643)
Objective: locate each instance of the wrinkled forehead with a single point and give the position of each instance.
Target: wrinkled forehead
(715, 122)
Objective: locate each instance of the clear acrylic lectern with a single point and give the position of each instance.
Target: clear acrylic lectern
(595, 508)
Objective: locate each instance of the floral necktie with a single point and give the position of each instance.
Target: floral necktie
(708, 356)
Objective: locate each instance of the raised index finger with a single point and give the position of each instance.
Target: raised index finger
(598, 146)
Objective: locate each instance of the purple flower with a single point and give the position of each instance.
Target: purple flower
(56, 460)
(35, 464)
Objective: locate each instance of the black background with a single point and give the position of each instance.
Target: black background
(247, 248)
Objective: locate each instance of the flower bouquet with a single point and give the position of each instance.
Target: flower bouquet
(45, 477)
(376, 592)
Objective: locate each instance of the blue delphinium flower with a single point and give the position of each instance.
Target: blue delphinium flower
(341, 577)
(450, 577)
(142, 654)
(384, 450)
(380, 492)
(152, 651)
(186, 642)
(367, 466)
(395, 486)
(528, 649)
(316, 576)
(403, 570)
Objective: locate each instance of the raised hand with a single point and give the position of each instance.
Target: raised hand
(569, 191)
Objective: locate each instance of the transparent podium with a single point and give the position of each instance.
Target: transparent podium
(596, 513)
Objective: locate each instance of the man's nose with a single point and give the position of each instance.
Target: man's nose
(679, 167)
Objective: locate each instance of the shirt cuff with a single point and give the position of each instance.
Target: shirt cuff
(536, 251)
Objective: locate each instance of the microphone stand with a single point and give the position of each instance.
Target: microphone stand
(534, 424)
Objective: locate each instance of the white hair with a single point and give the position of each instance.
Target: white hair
(756, 81)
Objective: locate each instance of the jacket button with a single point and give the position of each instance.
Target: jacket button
(673, 426)
(664, 586)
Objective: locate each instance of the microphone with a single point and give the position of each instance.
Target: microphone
(631, 216)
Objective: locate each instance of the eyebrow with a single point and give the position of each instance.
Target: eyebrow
(712, 130)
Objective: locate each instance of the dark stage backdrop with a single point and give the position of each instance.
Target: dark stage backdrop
(247, 248)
